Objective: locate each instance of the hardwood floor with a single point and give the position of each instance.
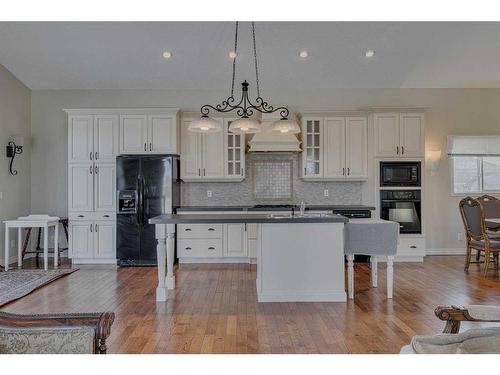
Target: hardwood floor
(214, 308)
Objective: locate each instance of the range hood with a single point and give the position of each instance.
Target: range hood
(270, 141)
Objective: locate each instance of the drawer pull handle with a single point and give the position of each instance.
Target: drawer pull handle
(188, 229)
(211, 229)
(188, 248)
(106, 215)
(211, 248)
(81, 216)
(413, 247)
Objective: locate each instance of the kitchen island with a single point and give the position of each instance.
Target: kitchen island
(299, 258)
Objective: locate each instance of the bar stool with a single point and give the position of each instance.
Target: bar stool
(375, 238)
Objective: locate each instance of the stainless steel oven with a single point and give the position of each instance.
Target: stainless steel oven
(400, 173)
(404, 207)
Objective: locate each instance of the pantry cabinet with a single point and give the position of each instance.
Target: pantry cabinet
(335, 148)
(399, 135)
(218, 156)
(95, 138)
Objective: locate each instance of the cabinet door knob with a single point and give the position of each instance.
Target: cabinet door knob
(397, 150)
(90, 155)
(144, 146)
(91, 227)
(343, 171)
(348, 171)
(96, 227)
(96, 169)
(96, 155)
(402, 150)
(90, 169)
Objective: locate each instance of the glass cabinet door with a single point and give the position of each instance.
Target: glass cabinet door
(235, 151)
(312, 147)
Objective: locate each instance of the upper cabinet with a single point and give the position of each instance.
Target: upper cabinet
(149, 133)
(399, 135)
(216, 156)
(335, 148)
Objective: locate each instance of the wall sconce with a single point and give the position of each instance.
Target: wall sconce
(14, 147)
(433, 159)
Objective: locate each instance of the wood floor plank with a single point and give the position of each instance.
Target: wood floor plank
(214, 308)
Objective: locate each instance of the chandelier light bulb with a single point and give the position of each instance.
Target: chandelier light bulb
(167, 54)
(303, 54)
(232, 55)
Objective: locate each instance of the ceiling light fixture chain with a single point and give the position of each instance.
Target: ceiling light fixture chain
(244, 108)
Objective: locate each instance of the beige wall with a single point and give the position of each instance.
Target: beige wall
(449, 111)
(14, 120)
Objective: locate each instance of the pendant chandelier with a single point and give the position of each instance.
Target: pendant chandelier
(244, 108)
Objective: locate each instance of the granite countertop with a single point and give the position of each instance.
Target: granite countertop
(243, 218)
(253, 209)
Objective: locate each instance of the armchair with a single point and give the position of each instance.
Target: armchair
(481, 340)
(55, 333)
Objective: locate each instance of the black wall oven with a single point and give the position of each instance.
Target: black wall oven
(404, 207)
(400, 173)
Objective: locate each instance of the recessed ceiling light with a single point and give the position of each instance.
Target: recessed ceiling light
(369, 53)
(167, 54)
(232, 55)
(303, 54)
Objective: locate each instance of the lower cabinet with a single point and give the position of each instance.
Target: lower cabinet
(92, 241)
(203, 243)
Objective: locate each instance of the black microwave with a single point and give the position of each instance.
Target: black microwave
(400, 173)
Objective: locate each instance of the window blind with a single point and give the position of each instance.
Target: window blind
(474, 145)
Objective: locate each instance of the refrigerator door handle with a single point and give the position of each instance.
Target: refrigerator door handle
(139, 201)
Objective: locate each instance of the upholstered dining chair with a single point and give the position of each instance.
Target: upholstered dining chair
(55, 333)
(491, 209)
(476, 233)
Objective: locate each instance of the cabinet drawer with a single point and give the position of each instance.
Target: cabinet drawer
(79, 216)
(199, 248)
(199, 231)
(411, 246)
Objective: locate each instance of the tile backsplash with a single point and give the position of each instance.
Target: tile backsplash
(249, 191)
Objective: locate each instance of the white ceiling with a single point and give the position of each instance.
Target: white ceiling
(129, 55)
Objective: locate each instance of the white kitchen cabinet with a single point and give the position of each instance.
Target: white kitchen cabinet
(104, 236)
(356, 153)
(81, 187)
(236, 240)
(162, 134)
(80, 239)
(212, 157)
(148, 134)
(105, 186)
(105, 138)
(234, 153)
(399, 135)
(80, 142)
(92, 240)
(335, 148)
(133, 134)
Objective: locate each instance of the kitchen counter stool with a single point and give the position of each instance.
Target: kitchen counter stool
(375, 238)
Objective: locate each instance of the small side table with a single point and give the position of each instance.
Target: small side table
(33, 221)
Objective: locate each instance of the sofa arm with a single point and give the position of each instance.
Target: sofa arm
(99, 322)
(453, 315)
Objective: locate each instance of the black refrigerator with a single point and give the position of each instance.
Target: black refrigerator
(147, 186)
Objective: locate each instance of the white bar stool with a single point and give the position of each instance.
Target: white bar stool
(32, 221)
(375, 238)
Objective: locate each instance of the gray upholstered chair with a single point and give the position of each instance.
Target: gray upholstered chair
(481, 340)
(491, 209)
(477, 235)
(55, 333)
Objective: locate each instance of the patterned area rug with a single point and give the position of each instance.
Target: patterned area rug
(18, 283)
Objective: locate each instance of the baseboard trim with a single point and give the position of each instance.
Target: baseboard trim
(446, 251)
(94, 261)
(216, 260)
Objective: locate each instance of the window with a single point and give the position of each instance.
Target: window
(476, 164)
